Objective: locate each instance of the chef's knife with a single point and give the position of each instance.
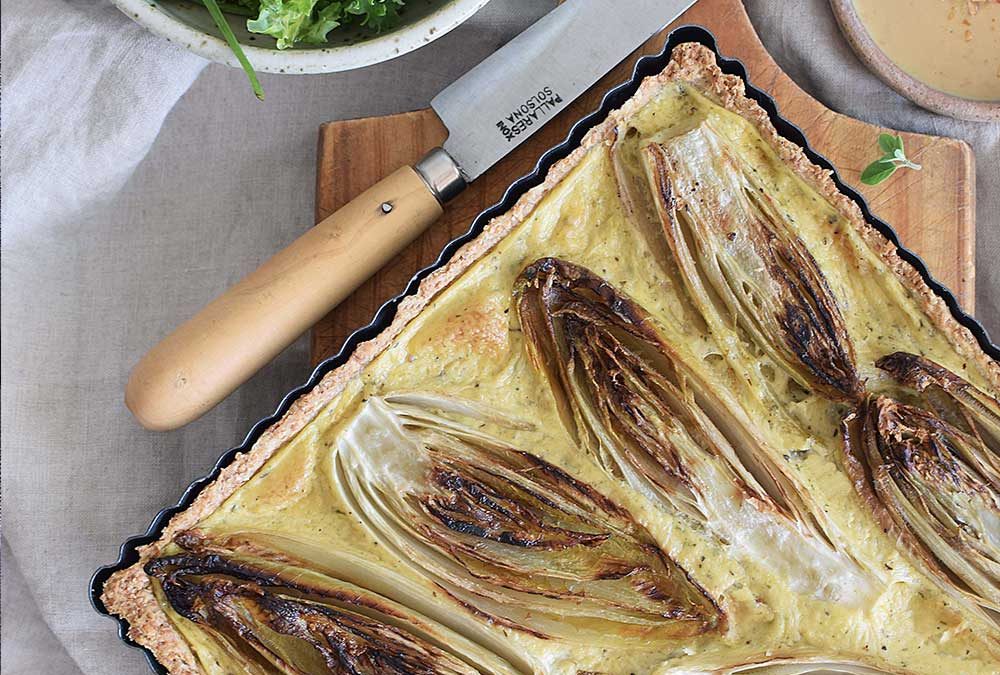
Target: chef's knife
(489, 111)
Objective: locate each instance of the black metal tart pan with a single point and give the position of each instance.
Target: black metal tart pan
(646, 66)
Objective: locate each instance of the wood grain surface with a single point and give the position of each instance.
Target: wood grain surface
(933, 210)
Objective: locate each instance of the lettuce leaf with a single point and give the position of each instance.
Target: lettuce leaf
(309, 21)
(377, 15)
(283, 20)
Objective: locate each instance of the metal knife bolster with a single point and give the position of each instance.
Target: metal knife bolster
(441, 174)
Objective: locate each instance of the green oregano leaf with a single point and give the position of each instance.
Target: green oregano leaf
(890, 144)
(877, 171)
(893, 158)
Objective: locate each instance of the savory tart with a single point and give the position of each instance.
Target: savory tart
(681, 410)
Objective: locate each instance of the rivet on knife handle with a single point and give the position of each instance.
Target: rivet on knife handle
(207, 358)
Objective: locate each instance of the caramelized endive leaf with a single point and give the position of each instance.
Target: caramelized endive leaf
(510, 536)
(744, 265)
(268, 614)
(952, 397)
(935, 486)
(630, 401)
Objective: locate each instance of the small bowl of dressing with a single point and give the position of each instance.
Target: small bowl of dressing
(944, 55)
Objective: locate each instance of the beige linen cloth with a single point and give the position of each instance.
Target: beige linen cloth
(137, 184)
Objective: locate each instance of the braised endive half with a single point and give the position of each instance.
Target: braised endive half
(511, 537)
(631, 402)
(743, 264)
(934, 482)
(952, 397)
(271, 613)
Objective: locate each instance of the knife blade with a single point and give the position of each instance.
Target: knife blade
(511, 94)
(489, 111)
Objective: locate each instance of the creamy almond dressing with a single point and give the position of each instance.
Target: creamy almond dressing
(951, 45)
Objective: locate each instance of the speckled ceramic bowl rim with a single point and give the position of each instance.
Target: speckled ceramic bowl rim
(902, 82)
(148, 14)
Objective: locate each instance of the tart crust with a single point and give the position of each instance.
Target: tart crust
(128, 593)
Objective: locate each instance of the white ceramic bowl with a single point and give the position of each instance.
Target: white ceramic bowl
(189, 24)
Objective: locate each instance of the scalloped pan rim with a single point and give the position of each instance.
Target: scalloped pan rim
(614, 98)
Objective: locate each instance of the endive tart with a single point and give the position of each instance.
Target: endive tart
(681, 410)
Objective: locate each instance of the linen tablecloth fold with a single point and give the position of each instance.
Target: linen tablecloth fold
(85, 91)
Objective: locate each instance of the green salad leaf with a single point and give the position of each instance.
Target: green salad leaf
(284, 20)
(378, 15)
(327, 18)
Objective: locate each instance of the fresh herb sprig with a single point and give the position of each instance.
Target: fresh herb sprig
(893, 158)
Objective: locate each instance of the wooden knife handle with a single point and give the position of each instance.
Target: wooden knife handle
(205, 359)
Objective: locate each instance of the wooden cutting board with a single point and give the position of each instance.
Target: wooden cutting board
(933, 210)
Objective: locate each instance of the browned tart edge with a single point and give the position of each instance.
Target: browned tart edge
(128, 593)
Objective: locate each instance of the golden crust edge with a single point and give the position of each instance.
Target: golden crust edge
(128, 593)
